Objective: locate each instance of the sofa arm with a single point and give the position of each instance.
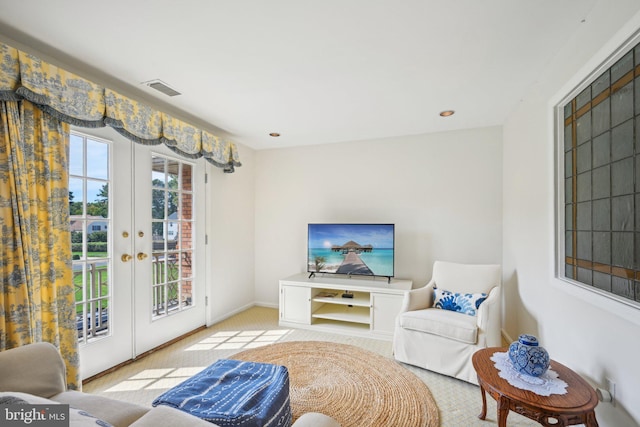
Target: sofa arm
(164, 416)
(489, 320)
(315, 419)
(418, 299)
(116, 412)
(36, 369)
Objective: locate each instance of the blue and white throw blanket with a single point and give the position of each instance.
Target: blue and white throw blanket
(235, 393)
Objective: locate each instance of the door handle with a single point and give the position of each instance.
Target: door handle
(142, 256)
(126, 257)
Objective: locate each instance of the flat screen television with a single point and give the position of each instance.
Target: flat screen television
(351, 249)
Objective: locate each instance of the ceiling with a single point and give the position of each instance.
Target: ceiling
(314, 71)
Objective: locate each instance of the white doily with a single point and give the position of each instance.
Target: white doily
(544, 385)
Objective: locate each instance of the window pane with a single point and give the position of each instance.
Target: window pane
(158, 171)
(602, 281)
(584, 245)
(622, 67)
(98, 200)
(568, 217)
(600, 84)
(622, 105)
(622, 141)
(584, 187)
(637, 252)
(186, 264)
(568, 164)
(584, 157)
(622, 287)
(97, 159)
(602, 150)
(173, 174)
(637, 212)
(172, 204)
(584, 216)
(583, 98)
(76, 155)
(583, 131)
(568, 189)
(585, 276)
(186, 178)
(602, 215)
(622, 213)
(76, 196)
(157, 204)
(602, 247)
(622, 177)
(187, 293)
(601, 182)
(622, 249)
(601, 117)
(157, 228)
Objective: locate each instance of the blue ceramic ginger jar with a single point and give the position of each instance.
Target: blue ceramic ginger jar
(528, 357)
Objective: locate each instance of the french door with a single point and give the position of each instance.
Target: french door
(136, 230)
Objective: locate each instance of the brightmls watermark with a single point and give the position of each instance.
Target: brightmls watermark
(34, 415)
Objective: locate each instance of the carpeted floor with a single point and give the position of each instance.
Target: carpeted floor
(458, 402)
(354, 386)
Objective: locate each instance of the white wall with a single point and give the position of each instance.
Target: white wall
(594, 335)
(442, 191)
(230, 227)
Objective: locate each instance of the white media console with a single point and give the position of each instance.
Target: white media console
(317, 303)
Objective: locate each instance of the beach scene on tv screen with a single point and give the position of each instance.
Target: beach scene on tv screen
(352, 249)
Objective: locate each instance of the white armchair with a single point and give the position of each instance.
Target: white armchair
(442, 340)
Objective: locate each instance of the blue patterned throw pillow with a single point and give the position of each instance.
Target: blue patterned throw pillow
(454, 301)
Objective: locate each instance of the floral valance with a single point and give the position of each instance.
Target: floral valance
(80, 102)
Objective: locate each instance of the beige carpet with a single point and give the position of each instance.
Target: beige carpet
(354, 386)
(459, 403)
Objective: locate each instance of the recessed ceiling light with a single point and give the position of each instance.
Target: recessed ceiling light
(274, 134)
(447, 113)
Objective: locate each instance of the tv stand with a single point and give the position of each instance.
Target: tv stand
(319, 303)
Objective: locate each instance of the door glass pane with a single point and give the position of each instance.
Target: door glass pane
(158, 204)
(172, 204)
(158, 171)
(186, 178)
(172, 222)
(90, 225)
(173, 169)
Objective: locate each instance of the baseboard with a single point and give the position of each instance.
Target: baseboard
(505, 337)
(142, 355)
(266, 304)
(230, 314)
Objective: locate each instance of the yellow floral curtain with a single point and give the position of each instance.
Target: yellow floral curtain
(37, 301)
(38, 101)
(78, 101)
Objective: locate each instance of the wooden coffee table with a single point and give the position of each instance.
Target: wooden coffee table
(575, 407)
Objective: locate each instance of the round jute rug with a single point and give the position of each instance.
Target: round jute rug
(357, 387)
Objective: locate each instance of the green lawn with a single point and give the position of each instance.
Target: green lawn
(92, 254)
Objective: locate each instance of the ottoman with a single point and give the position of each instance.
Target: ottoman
(234, 393)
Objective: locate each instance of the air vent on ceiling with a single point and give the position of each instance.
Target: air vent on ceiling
(161, 86)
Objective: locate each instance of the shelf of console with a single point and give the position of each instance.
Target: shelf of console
(344, 313)
(318, 303)
(359, 299)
